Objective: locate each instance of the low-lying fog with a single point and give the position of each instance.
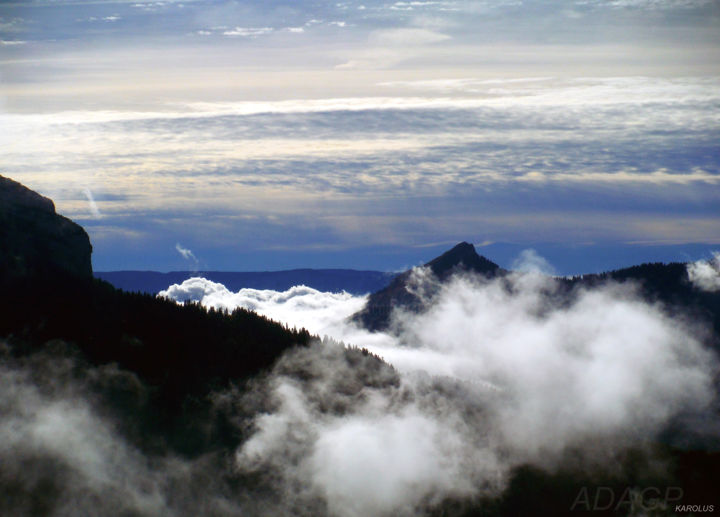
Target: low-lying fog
(496, 374)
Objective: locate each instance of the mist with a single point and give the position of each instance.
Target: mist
(705, 274)
(62, 454)
(494, 375)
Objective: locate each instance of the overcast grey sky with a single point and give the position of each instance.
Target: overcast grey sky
(361, 134)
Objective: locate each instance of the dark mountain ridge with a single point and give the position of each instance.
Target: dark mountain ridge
(179, 353)
(667, 284)
(35, 240)
(462, 258)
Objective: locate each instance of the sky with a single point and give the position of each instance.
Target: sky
(230, 135)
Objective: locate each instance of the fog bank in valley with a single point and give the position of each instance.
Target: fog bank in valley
(496, 374)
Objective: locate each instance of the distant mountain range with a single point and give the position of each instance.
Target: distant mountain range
(330, 280)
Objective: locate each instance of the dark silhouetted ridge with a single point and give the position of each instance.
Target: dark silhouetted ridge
(35, 240)
(180, 353)
(462, 258)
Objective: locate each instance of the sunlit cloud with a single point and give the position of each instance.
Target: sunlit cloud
(499, 146)
(248, 32)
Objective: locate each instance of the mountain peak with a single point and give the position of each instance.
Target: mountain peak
(462, 256)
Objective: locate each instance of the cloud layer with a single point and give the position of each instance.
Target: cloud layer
(339, 124)
(427, 161)
(299, 306)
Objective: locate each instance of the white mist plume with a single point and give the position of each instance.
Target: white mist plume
(186, 253)
(705, 274)
(94, 210)
(606, 364)
(494, 375)
(62, 453)
(359, 438)
(50, 433)
(529, 261)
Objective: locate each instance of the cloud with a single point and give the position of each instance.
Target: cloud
(186, 253)
(249, 32)
(69, 446)
(299, 306)
(655, 4)
(705, 274)
(361, 457)
(556, 150)
(60, 453)
(530, 261)
(406, 37)
(496, 374)
(92, 205)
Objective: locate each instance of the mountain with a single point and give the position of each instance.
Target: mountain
(35, 240)
(462, 258)
(117, 403)
(666, 284)
(173, 355)
(399, 293)
(333, 280)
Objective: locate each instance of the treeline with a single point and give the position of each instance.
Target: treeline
(667, 284)
(179, 353)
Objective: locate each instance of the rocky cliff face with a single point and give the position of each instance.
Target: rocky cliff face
(35, 240)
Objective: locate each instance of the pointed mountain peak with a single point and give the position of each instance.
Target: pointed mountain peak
(463, 256)
(461, 259)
